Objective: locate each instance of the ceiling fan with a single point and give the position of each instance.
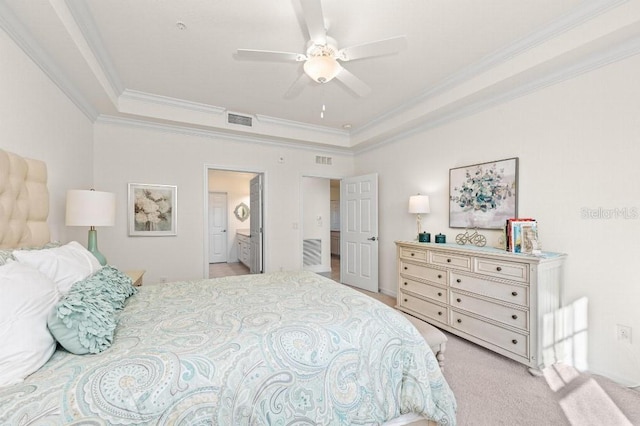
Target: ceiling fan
(322, 57)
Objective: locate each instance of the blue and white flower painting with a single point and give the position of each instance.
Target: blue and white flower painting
(483, 195)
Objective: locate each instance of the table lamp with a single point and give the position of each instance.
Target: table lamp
(419, 204)
(91, 208)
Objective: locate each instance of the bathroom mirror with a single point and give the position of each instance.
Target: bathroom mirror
(241, 212)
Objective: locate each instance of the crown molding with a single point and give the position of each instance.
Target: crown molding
(87, 26)
(21, 36)
(90, 37)
(605, 56)
(303, 126)
(76, 14)
(587, 10)
(215, 134)
(208, 116)
(136, 95)
(75, 31)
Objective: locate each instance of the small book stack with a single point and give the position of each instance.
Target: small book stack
(522, 235)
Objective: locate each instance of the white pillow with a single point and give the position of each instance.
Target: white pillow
(64, 265)
(25, 342)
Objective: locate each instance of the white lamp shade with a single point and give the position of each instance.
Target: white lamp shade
(90, 208)
(321, 68)
(419, 204)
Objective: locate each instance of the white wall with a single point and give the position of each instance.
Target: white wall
(579, 147)
(38, 121)
(124, 154)
(316, 220)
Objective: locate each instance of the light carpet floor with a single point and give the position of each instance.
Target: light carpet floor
(494, 390)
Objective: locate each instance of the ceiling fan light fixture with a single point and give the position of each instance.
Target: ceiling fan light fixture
(321, 68)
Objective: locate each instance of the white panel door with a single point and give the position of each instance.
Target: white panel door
(359, 231)
(255, 224)
(217, 227)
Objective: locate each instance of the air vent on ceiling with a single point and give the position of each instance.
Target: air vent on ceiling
(242, 120)
(323, 160)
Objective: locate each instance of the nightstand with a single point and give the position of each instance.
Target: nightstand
(136, 276)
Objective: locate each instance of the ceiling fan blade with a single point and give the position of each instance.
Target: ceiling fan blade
(356, 85)
(374, 48)
(297, 86)
(314, 19)
(270, 55)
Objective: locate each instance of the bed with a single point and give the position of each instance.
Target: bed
(271, 349)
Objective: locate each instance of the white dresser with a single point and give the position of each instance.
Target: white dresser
(486, 295)
(244, 247)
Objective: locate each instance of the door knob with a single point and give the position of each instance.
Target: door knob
(372, 239)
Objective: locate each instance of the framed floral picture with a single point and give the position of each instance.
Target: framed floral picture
(152, 210)
(483, 195)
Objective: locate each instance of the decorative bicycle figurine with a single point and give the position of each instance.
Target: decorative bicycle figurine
(471, 238)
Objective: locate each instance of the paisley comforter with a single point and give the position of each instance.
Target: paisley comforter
(272, 349)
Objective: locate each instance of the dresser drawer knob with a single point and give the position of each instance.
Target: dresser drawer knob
(439, 275)
(458, 300)
(459, 321)
(405, 268)
(439, 312)
(405, 283)
(514, 293)
(406, 300)
(514, 341)
(499, 269)
(440, 293)
(448, 260)
(458, 280)
(413, 254)
(514, 316)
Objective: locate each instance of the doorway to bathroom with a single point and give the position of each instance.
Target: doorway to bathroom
(234, 226)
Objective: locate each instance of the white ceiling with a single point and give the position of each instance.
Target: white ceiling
(128, 60)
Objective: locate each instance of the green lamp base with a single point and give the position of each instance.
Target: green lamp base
(92, 246)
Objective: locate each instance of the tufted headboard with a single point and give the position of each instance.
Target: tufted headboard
(24, 201)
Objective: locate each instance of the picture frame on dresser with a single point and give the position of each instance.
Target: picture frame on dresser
(483, 195)
(152, 210)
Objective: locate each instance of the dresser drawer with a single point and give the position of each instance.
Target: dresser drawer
(511, 293)
(423, 307)
(503, 269)
(450, 261)
(504, 314)
(423, 289)
(410, 253)
(420, 271)
(511, 341)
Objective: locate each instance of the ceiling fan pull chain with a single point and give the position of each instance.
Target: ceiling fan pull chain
(324, 108)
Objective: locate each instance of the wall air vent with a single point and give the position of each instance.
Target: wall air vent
(242, 120)
(323, 160)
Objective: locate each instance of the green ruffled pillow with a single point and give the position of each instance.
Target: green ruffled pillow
(110, 282)
(84, 321)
